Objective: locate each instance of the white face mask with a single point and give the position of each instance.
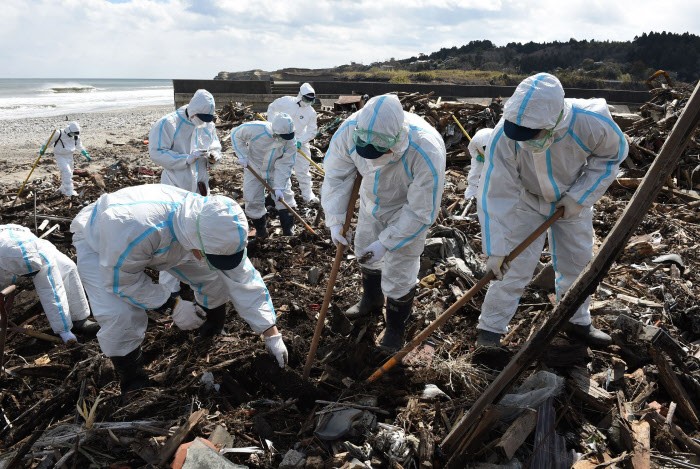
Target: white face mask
(199, 123)
(381, 161)
(539, 145)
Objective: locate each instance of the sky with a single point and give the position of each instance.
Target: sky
(199, 38)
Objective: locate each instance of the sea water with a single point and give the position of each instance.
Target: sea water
(44, 97)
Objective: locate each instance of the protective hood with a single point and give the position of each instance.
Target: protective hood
(283, 125)
(201, 103)
(72, 127)
(536, 103)
(306, 90)
(384, 114)
(215, 225)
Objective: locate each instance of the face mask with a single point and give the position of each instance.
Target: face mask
(278, 142)
(381, 161)
(541, 144)
(199, 123)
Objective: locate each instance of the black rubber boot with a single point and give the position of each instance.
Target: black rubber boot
(86, 327)
(132, 376)
(372, 300)
(216, 318)
(260, 225)
(588, 334)
(397, 314)
(488, 339)
(287, 222)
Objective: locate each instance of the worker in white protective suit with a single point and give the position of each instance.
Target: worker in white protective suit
(301, 110)
(64, 143)
(546, 152)
(477, 150)
(185, 144)
(402, 162)
(55, 278)
(270, 150)
(199, 240)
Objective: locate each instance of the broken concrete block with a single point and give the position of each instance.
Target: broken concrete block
(313, 275)
(292, 460)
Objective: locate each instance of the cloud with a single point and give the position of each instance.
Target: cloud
(199, 38)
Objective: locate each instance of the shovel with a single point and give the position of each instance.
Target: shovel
(442, 319)
(36, 162)
(340, 249)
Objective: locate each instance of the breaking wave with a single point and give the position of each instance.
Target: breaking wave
(72, 88)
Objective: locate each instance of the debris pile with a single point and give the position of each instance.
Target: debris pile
(633, 403)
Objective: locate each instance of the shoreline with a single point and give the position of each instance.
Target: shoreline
(105, 134)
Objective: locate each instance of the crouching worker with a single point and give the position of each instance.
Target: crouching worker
(55, 279)
(199, 240)
(402, 162)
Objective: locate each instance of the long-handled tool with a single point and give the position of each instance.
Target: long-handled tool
(286, 205)
(36, 162)
(340, 249)
(7, 297)
(442, 319)
(462, 128)
(308, 158)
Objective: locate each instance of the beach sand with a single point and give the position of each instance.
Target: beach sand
(108, 136)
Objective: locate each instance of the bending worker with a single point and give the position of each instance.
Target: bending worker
(546, 152)
(301, 110)
(64, 143)
(185, 144)
(55, 278)
(477, 150)
(269, 148)
(199, 240)
(402, 161)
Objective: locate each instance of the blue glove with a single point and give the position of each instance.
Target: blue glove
(86, 155)
(298, 144)
(42, 150)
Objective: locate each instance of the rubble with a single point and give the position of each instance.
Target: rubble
(635, 402)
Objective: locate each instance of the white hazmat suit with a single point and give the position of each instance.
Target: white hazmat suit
(578, 159)
(400, 193)
(477, 149)
(157, 226)
(258, 144)
(64, 145)
(55, 276)
(305, 127)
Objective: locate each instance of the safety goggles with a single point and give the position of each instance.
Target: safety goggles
(545, 141)
(73, 134)
(206, 117)
(381, 142)
(308, 98)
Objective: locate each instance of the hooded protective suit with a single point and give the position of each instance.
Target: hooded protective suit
(400, 193)
(260, 145)
(305, 126)
(177, 135)
(519, 189)
(56, 282)
(477, 149)
(156, 226)
(63, 148)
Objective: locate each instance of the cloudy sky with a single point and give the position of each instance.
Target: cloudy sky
(199, 38)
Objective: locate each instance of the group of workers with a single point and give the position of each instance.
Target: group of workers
(546, 152)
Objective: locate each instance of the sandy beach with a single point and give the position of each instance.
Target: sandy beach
(108, 136)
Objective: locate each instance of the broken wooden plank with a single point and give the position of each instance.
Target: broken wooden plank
(517, 433)
(641, 453)
(675, 388)
(588, 391)
(172, 443)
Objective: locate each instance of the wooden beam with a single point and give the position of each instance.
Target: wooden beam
(675, 388)
(588, 280)
(172, 443)
(517, 433)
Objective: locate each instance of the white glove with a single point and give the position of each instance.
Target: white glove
(498, 266)
(68, 336)
(469, 193)
(243, 161)
(275, 345)
(336, 237)
(192, 157)
(377, 251)
(185, 315)
(214, 157)
(279, 194)
(572, 209)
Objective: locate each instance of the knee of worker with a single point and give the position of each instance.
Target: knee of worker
(121, 331)
(301, 164)
(399, 273)
(366, 232)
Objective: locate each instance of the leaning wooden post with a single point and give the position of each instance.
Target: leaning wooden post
(588, 280)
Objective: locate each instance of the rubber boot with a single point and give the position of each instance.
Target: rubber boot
(588, 334)
(86, 327)
(287, 222)
(397, 314)
(260, 225)
(488, 339)
(214, 325)
(372, 300)
(132, 375)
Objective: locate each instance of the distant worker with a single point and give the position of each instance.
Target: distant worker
(402, 162)
(185, 144)
(55, 278)
(477, 150)
(270, 150)
(199, 240)
(64, 143)
(546, 152)
(300, 108)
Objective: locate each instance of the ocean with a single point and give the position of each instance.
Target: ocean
(44, 97)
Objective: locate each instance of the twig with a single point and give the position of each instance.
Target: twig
(349, 404)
